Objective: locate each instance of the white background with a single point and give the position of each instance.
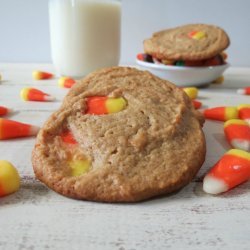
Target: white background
(24, 29)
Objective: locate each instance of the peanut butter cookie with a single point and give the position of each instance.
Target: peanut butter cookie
(192, 42)
(121, 135)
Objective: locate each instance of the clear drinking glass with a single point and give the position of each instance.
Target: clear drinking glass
(85, 35)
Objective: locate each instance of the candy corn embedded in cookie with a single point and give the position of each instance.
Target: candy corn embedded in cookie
(245, 91)
(221, 113)
(40, 75)
(101, 105)
(237, 133)
(197, 35)
(231, 170)
(31, 94)
(244, 112)
(9, 178)
(66, 82)
(13, 129)
(4, 111)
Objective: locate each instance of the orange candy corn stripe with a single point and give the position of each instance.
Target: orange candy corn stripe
(68, 137)
(9, 178)
(245, 91)
(237, 133)
(221, 113)
(231, 170)
(41, 75)
(244, 112)
(31, 94)
(101, 105)
(66, 82)
(96, 105)
(4, 111)
(13, 129)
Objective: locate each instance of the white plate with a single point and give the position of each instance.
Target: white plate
(184, 76)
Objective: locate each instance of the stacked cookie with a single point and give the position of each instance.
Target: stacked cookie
(188, 45)
(121, 135)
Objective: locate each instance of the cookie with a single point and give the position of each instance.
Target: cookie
(121, 135)
(192, 42)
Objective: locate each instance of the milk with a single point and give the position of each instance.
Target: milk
(85, 35)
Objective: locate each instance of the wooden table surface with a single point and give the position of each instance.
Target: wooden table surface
(37, 218)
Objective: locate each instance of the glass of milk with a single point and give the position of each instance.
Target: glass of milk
(85, 35)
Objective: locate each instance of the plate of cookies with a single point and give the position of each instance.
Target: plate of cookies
(189, 55)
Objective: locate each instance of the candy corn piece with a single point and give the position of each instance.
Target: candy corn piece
(237, 133)
(221, 113)
(100, 105)
(192, 92)
(4, 111)
(13, 129)
(9, 178)
(245, 91)
(66, 82)
(197, 35)
(196, 104)
(79, 167)
(231, 170)
(244, 112)
(40, 75)
(31, 94)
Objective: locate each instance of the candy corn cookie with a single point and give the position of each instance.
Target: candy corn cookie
(187, 45)
(121, 135)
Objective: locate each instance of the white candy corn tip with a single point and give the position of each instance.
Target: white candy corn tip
(247, 120)
(241, 91)
(212, 185)
(241, 144)
(34, 130)
(49, 98)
